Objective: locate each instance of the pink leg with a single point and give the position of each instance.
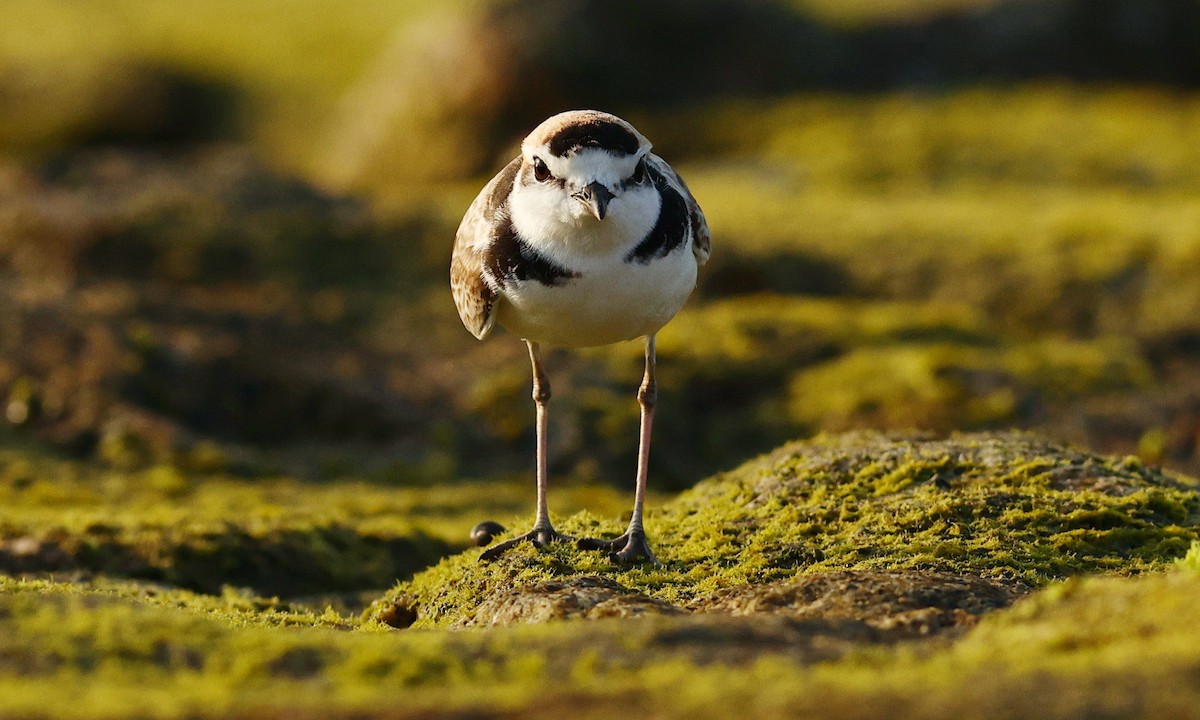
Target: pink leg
(632, 545)
(543, 532)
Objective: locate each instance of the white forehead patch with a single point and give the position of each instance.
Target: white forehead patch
(590, 165)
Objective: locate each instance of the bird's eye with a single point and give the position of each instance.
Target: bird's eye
(541, 173)
(639, 172)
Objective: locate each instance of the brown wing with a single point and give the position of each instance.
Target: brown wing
(473, 296)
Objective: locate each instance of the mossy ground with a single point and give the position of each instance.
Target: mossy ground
(1121, 646)
(274, 536)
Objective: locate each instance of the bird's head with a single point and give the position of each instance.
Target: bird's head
(585, 166)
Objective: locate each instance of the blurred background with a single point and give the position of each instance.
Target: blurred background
(225, 228)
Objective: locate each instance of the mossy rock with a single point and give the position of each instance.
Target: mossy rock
(1012, 511)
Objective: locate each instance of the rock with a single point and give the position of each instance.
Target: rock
(486, 531)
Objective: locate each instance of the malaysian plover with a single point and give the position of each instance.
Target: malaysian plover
(586, 239)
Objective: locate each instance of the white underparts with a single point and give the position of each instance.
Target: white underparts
(620, 301)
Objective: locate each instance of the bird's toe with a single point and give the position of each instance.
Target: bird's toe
(540, 536)
(627, 549)
(636, 549)
(600, 544)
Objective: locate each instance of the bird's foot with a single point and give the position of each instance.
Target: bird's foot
(540, 536)
(629, 548)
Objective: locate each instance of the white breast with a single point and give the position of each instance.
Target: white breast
(612, 301)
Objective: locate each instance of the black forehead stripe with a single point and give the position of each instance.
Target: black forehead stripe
(509, 258)
(598, 133)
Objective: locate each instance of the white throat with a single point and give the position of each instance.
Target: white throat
(559, 226)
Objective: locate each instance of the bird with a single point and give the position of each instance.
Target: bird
(586, 238)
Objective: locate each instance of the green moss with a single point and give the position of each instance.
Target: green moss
(942, 385)
(1010, 507)
(766, 333)
(1191, 561)
(278, 536)
(1123, 644)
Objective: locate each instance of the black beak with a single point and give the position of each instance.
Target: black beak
(595, 196)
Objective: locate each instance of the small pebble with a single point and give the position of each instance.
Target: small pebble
(486, 531)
